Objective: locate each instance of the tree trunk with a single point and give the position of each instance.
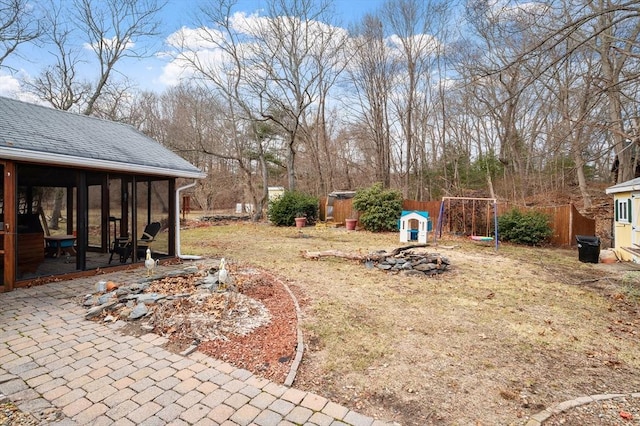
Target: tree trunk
(56, 215)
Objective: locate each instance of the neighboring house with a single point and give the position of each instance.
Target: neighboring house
(626, 225)
(107, 179)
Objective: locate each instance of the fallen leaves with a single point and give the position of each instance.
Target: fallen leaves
(626, 415)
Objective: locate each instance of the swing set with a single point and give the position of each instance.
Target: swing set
(468, 216)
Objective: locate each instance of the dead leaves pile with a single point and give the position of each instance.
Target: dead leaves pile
(173, 285)
(206, 316)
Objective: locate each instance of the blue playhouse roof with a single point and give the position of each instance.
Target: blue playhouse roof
(420, 213)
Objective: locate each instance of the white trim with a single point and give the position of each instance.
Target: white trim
(17, 154)
(623, 209)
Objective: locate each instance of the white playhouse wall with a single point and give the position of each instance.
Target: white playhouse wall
(405, 229)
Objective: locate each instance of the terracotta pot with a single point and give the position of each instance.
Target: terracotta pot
(608, 256)
(351, 224)
(301, 222)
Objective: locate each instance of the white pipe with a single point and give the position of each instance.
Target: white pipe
(178, 254)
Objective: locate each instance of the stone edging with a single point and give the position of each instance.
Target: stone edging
(300, 346)
(539, 418)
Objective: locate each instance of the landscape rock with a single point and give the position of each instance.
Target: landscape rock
(106, 298)
(97, 310)
(413, 264)
(150, 298)
(423, 267)
(139, 311)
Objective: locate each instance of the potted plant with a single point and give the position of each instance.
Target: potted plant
(351, 222)
(301, 220)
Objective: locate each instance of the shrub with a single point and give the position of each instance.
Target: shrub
(531, 228)
(283, 210)
(380, 209)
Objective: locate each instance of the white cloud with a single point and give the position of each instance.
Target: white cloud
(10, 87)
(174, 72)
(194, 39)
(244, 23)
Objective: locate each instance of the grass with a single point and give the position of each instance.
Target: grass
(520, 321)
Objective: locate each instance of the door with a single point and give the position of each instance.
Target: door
(634, 218)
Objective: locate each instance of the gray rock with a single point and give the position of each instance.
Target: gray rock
(424, 267)
(384, 266)
(106, 297)
(150, 297)
(139, 311)
(97, 310)
(407, 266)
(138, 287)
(123, 291)
(391, 260)
(189, 350)
(178, 296)
(89, 300)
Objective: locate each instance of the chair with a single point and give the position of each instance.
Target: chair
(123, 246)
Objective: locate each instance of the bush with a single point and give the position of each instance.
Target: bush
(380, 209)
(531, 228)
(283, 210)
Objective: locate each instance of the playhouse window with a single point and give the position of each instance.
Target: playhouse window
(623, 210)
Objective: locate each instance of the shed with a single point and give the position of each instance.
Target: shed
(105, 181)
(414, 226)
(626, 225)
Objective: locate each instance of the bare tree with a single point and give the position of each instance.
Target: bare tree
(59, 84)
(417, 26)
(19, 23)
(112, 29)
(291, 56)
(371, 73)
(607, 28)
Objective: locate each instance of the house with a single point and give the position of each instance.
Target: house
(102, 180)
(626, 225)
(414, 226)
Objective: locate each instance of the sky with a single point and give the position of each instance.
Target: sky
(151, 73)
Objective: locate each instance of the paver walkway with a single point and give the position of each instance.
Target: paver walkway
(66, 370)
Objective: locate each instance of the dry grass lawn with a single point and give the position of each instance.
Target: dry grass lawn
(499, 337)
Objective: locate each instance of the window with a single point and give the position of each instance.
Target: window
(623, 210)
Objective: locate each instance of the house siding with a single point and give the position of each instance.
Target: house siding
(622, 229)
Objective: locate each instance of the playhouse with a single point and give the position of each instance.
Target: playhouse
(414, 226)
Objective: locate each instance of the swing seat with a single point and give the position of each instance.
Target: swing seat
(481, 238)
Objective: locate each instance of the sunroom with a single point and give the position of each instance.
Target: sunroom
(78, 194)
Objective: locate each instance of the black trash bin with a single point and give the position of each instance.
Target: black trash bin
(588, 248)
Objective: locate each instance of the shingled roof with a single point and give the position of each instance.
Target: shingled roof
(39, 134)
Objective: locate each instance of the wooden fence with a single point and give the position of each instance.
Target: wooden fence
(470, 218)
(566, 222)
